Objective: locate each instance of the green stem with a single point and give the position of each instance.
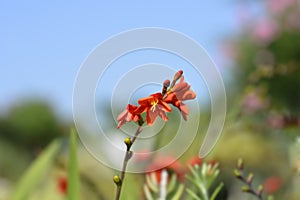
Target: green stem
(125, 162)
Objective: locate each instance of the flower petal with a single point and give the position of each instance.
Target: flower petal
(164, 106)
(184, 111)
(179, 86)
(141, 109)
(145, 101)
(151, 116)
(163, 115)
(122, 114)
(189, 95)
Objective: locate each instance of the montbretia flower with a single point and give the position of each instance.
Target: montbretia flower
(154, 106)
(128, 115)
(158, 104)
(179, 93)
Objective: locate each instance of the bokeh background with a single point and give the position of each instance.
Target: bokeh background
(255, 44)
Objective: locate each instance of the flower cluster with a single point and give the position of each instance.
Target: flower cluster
(158, 104)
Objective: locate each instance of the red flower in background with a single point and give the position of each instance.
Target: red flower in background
(195, 161)
(157, 166)
(272, 184)
(154, 106)
(199, 161)
(62, 184)
(128, 115)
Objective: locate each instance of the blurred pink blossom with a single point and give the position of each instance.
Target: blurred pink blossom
(253, 102)
(279, 6)
(264, 31)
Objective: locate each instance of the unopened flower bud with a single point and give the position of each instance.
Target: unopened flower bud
(250, 178)
(165, 88)
(237, 173)
(117, 180)
(240, 164)
(245, 188)
(260, 190)
(176, 78)
(178, 75)
(128, 143)
(167, 83)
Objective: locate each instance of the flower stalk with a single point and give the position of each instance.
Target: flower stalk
(119, 180)
(247, 180)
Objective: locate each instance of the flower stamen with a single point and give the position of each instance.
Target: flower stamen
(153, 103)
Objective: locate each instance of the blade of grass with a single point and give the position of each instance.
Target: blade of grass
(73, 175)
(36, 170)
(216, 192)
(179, 192)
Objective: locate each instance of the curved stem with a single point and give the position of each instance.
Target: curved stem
(127, 156)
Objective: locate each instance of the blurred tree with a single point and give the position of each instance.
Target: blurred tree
(267, 56)
(30, 124)
(25, 129)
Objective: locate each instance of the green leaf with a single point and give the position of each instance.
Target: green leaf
(172, 183)
(179, 192)
(216, 192)
(73, 175)
(212, 178)
(147, 193)
(152, 183)
(270, 197)
(204, 170)
(192, 194)
(31, 178)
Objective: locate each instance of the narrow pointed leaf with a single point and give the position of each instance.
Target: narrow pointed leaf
(216, 192)
(73, 175)
(179, 192)
(31, 178)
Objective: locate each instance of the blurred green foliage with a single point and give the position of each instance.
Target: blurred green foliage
(25, 129)
(30, 124)
(268, 57)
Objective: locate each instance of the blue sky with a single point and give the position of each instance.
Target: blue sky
(43, 44)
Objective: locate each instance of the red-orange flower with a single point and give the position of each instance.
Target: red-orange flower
(272, 184)
(179, 93)
(157, 166)
(127, 115)
(154, 106)
(195, 161)
(62, 184)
